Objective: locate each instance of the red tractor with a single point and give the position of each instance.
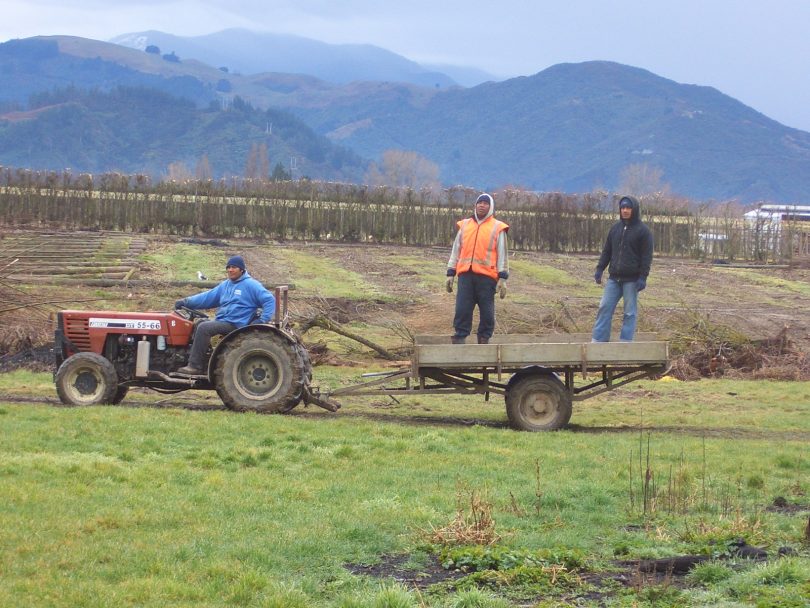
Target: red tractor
(259, 368)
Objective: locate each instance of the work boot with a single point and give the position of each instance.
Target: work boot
(457, 339)
(190, 371)
(483, 340)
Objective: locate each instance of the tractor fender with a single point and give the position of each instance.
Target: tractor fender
(256, 328)
(531, 370)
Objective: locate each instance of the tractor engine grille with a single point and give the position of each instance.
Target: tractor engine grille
(78, 332)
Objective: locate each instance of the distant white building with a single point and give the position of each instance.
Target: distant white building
(776, 214)
(712, 243)
(767, 222)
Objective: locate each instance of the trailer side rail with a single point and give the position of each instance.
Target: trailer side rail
(434, 381)
(545, 373)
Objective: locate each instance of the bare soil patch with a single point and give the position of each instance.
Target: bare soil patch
(399, 568)
(720, 321)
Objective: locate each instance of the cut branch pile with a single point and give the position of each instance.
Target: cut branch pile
(320, 314)
(718, 351)
(324, 322)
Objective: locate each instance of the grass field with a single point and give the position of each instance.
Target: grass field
(426, 501)
(156, 505)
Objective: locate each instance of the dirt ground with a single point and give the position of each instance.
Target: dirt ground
(597, 587)
(757, 302)
(704, 307)
(708, 311)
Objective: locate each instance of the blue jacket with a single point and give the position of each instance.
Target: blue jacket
(237, 300)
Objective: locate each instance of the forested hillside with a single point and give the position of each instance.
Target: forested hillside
(572, 128)
(577, 127)
(36, 65)
(143, 130)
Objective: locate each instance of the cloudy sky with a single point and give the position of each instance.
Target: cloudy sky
(757, 52)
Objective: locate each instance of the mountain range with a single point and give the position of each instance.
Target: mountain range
(571, 127)
(247, 52)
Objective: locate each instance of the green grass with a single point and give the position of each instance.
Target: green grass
(113, 246)
(766, 280)
(430, 274)
(180, 262)
(746, 408)
(317, 275)
(714, 404)
(560, 282)
(137, 506)
(543, 274)
(22, 383)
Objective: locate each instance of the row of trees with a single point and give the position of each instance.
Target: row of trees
(398, 168)
(304, 209)
(401, 169)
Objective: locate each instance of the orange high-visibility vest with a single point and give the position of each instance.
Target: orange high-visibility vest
(479, 246)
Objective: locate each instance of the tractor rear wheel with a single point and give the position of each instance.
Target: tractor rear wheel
(538, 402)
(260, 372)
(86, 379)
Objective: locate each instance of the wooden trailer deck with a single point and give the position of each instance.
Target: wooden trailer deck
(511, 352)
(546, 373)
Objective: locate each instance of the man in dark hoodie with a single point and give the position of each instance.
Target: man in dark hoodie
(480, 260)
(627, 255)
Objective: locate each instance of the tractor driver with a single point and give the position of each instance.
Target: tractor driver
(238, 298)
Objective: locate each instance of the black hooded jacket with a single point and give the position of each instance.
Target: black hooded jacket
(628, 247)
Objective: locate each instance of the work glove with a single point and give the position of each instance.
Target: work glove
(179, 304)
(641, 284)
(501, 288)
(597, 276)
(449, 284)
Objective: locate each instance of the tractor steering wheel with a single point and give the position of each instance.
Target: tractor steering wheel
(190, 313)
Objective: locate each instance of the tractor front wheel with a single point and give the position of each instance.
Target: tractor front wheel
(86, 379)
(260, 372)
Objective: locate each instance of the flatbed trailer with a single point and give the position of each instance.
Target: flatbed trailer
(539, 376)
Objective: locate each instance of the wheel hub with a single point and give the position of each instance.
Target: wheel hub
(86, 383)
(538, 407)
(258, 375)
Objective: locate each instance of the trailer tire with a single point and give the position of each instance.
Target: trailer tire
(259, 372)
(538, 402)
(86, 379)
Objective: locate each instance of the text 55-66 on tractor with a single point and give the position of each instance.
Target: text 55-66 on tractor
(260, 368)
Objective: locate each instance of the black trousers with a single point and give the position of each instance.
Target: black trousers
(202, 340)
(475, 289)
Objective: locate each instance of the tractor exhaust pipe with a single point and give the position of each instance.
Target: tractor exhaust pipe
(189, 382)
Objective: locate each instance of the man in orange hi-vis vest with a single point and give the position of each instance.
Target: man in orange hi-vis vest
(480, 261)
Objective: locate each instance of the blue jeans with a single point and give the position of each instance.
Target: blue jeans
(615, 290)
(475, 289)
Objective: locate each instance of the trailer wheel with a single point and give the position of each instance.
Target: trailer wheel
(538, 403)
(259, 372)
(86, 379)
